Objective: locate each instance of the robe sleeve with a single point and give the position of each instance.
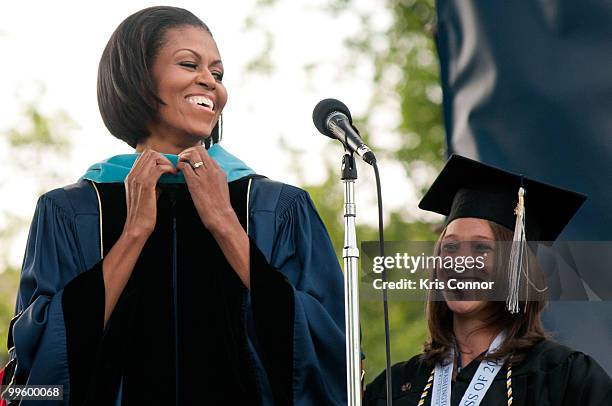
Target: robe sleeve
(297, 300)
(587, 383)
(53, 260)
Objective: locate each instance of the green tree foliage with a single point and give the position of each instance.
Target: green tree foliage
(406, 70)
(8, 287)
(38, 138)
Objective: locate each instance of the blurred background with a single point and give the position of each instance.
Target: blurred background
(517, 91)
(281, 57)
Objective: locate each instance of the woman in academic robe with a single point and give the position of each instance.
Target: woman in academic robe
(491, 349)
(176, 275)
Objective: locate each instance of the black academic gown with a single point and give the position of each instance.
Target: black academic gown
(552, 375)
(179, 311)
(177, 334)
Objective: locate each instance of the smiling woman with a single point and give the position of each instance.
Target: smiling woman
(493, 352)
(168, 66)
(188, 72)
(176, 275)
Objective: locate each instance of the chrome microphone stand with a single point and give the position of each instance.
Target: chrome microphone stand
(350, 254)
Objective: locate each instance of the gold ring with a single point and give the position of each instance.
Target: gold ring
(198, 164)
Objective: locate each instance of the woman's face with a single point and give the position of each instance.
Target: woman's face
(187, 72)
(468, 237)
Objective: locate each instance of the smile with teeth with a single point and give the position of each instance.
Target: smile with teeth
(202, 102)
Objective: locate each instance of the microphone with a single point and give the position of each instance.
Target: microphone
(333, 119)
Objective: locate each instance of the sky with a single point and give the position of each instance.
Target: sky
(59, 44)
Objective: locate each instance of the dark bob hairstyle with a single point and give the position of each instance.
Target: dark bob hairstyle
(127, 96)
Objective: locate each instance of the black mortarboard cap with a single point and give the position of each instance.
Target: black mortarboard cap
(468, 188)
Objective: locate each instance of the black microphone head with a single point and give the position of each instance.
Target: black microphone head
(323, 109)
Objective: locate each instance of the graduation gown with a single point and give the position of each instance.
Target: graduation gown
(184, 319)
(552, 375)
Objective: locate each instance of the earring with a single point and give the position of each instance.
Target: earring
(215, 135)
(219, 135)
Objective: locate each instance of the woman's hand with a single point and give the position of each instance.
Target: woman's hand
(207, 185)
(141, 199)
(141, 192)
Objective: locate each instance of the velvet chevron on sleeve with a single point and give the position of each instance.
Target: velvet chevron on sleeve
(292, 239)
(83, 304)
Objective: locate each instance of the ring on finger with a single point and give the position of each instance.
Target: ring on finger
(198, 164)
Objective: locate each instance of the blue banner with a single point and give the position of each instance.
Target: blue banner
(528, 87)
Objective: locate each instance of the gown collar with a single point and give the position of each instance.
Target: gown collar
(115, 169)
